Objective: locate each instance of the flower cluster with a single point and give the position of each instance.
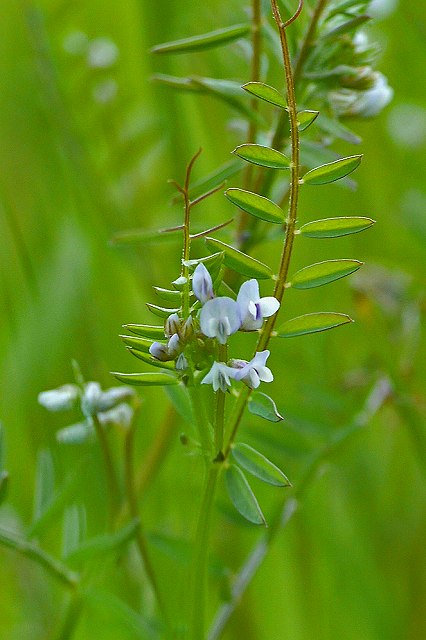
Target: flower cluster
(111, 407)
(219, 318)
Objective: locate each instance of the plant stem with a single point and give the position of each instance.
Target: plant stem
(280, 284)
(111, 476)
(187, 234)
(134, 512)
(48, 562)
(198, 588)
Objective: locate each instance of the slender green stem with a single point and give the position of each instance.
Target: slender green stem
(200, 421)
(199, 571)
(187, 234)
(71, 617)
(220, 408)
(280, 284)
(48, 562)
(134, 512)
(111, 476)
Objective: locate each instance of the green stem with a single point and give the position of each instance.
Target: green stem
(186, 251)
(280, 284)
(48, 562)
(200, 558)
(200, 421)
(220, 408)
(111, 476)
(71, 618)
(134, 512)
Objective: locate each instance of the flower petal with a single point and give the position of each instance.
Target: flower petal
(219, 318)
(268, 306)
(202, 284)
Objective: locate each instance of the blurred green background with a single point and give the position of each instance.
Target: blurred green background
(87, 145)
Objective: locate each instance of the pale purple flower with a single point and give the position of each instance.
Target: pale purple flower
(165, 352)
(219, 376)
(220, 318)
(255, 371)
(202, 284)
(252, 308)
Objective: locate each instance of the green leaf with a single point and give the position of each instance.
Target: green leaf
(306, 118)
(258, 465)
(239, 261)
(44, 482)
(262, 156)
(146, 379)
(209, 40)
(335, 227)
(74, 528)
(242, 497)
(315, 275)
(146, 330)
(103, 544)
(146, 357)
(144, 236)
(266, 92)
(262, 405)
(141, 344)
(168, 295)
(161, 312)
(179, 397)
(256, 205)
(331, 171)
(312, 323)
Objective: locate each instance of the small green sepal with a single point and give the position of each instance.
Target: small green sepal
(141, 344)
(161, 312)
(312, 323)
(148, 359)
(168, 295)
(258, 465)
(242, 496)
(266, 92)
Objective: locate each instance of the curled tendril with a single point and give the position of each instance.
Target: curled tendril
(295, 16)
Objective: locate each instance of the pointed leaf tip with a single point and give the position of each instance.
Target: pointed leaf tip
(332, 171)
(242, 496)
(263, 406)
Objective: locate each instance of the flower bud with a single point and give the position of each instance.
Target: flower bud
(159, 351)
(202, 284)
(187, 330)
(172, 325)
(181, 363)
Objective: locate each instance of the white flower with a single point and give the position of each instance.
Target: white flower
(362, 104)
(255, 371)
(59, 399)
(202, 284)
(252, 307)
(219, 376)
(219, 318)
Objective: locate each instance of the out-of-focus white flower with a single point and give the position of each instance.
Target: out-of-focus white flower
(219, 376)
(255, 371)
(253, 309)
(220, 318)
(362, 104)
(60, 399)
(121, 415)
(95, 400)
(202, 284)
(103, 53)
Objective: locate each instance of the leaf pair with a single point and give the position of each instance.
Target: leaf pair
(238, 487)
